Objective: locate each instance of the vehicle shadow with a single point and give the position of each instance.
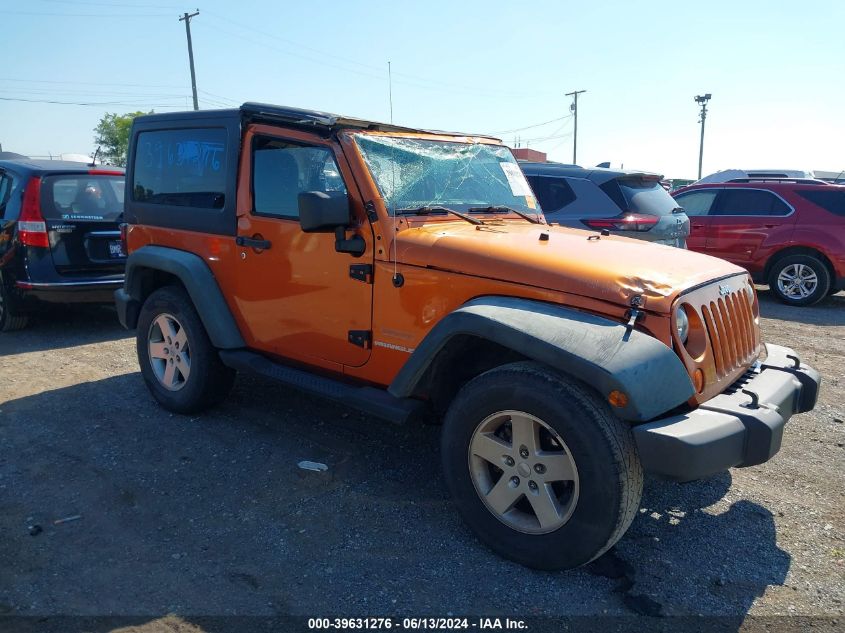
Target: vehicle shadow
(830, 311)
(693, 551)
(212, 515)
(64, 326)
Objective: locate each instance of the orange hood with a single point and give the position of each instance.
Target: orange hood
(610, 268)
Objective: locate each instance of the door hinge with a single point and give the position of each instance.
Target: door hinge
(362, 272)
(361, 338)
(370, 208)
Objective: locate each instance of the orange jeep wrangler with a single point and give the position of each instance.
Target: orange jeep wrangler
(404, 273)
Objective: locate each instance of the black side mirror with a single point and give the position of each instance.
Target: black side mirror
(322, 212)
(327, 212)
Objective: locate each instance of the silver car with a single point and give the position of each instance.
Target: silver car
(624, 202)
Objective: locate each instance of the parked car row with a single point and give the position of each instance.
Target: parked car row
(787, 230)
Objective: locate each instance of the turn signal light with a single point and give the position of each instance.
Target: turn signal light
(698, 380)
(617, 399)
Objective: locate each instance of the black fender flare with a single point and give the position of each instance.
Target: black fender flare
(197, 279)
(604, 354)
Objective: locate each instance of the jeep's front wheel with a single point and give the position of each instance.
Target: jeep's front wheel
(178, 362)
(539, 467)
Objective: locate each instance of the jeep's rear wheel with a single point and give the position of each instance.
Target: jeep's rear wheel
(10, 319)
(799, 280)
(539, 467)
(178, 362)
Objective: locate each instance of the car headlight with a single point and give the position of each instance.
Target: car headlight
(682, 324)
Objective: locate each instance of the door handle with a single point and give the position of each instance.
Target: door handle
(251, 242)
(698, 226)
(770, 226)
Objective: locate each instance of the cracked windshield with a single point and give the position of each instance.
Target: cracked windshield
(414, 174)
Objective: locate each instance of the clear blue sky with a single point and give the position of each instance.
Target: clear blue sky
(775, 70)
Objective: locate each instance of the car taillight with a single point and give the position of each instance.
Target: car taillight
(627, 222)
(32, 229)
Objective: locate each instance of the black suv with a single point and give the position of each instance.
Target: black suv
(59, 235)
(624, 202)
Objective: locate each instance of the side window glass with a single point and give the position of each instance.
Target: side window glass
(282, 170)
(553, 193)
(183, 168)
(755, 202)
(831, 201)
(697, 202)
(5, 190)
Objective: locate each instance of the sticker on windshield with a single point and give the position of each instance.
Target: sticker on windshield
(519, 186)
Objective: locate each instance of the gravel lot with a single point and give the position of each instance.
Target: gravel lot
(210, 514)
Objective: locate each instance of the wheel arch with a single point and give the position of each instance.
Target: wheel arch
(493, 330)
(798, 250)
(152, 267)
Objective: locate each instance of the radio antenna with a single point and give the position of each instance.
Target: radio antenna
(390, 90)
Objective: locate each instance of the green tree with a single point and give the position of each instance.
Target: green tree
(112, 135)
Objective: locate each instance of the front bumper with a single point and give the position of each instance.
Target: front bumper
(741, 427)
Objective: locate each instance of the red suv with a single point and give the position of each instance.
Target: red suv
(788, 234)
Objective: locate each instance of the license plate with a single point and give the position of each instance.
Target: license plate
(116, 249)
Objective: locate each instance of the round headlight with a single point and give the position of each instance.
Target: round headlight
(682, 324)
(750, 290)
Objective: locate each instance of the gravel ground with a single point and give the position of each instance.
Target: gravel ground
(210, 514)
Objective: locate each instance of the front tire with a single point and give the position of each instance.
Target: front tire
(539, 467)
(178, 362)
(799, 280)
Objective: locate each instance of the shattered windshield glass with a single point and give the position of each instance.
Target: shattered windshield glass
(416, 173)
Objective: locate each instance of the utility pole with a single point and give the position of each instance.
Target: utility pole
(702, 101)
(574, 109)
(186, 18)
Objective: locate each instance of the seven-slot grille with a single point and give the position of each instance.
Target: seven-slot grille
(733, 334)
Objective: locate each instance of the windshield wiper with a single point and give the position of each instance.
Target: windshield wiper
(504, 209)
(428, 209)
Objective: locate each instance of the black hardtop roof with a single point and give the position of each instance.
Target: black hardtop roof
(321, 121)
(44, 165)
(596, 174)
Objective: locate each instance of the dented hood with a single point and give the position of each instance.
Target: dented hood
(609, 268)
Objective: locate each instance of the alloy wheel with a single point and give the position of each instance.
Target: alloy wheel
(797, 281)
(169, 352)
(523, 472)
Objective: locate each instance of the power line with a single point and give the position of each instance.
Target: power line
(377, 72)
(88, 83)
(529, 127)
(91, 103)
(113, 5)
(87, 15)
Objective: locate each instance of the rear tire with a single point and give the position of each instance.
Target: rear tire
(10, 319)
(178, 362)
(799, 280)
(579, 460)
